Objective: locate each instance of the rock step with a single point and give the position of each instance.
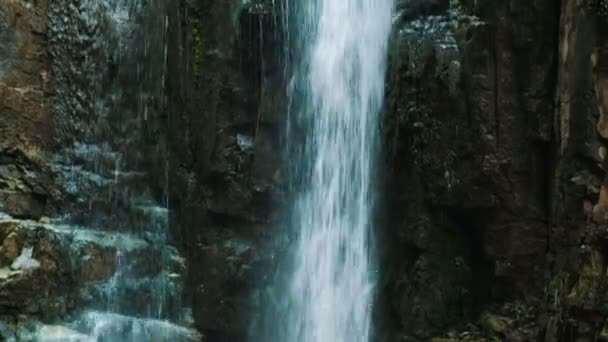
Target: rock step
(82, 183)
(127, 250)
(140, 219)
(157, 296)
(127, 218)
(76, 266)
(100, 158)
(121, 203)
(93, 157)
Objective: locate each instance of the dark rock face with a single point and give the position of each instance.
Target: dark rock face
(577, 249)
(469, 119)
(75, 146)
(497, 179)
(495, 186)
(225, 89)
(26, 188)
(412, 9)
(24, 76)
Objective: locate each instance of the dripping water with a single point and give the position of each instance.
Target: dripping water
(117, 51)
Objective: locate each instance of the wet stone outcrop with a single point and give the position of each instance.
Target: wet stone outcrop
(227, 102)
(84, 242)
(577, 295)
(497, 179)
(49, 270)
(494, 182)
(24, 75)
(26, 188)
(30, 281)
(469, 125)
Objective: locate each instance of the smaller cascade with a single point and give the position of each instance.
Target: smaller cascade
(102, 269)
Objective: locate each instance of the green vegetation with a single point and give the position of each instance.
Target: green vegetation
(198, 48)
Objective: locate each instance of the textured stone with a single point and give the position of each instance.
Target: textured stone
(496, 324)
(23, 103)
(26, 125)
(97, 264)
(469, 121)
(493, 190)
(226, 86)
(10, 247)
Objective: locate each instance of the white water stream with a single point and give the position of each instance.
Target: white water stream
(338, 88)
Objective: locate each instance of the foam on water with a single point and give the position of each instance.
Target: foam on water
(100, 326)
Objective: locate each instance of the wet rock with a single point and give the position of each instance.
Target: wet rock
(28, 188)
(10, 247)
(469, 175)
(63, 67)
(59, 265)
(495, 324)
(412, 9)
(229, 149)
(34, 275)
(96, 264)
(24, 117)
(603, 336)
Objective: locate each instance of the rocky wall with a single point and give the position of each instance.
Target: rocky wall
(576, 295)
(495, 191)
(26, 121)
(224, 89)
(469, 123)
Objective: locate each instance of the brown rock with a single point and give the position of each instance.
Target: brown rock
(604, 333)
(600, 210)
(495, 324)
(97, 264)
(10, 247)
(25, 120)
(601, 91)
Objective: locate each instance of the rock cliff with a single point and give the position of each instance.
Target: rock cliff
(495, 193)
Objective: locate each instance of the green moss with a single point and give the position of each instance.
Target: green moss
(198, 48)
(205, 77)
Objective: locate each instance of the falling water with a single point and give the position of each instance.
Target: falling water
(336, 94)
(110, 60)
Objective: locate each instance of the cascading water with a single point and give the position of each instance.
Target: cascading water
(129, 278)
(326, 291)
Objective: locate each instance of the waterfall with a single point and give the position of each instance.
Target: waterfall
(109, 60)
(326, 289)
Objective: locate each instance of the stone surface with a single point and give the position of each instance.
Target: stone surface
(469, 125)
(60, 266)
(80, 223)
(26, 125)
(226, 90)
(10, 247)
(24, 76)
(494, 180)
